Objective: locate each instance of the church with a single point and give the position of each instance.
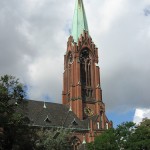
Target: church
(82, 108)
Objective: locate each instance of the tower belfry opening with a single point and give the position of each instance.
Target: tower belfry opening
(85, 74)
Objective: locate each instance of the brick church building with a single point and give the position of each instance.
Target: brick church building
(82, 108)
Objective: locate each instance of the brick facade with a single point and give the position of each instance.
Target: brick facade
(81, 85)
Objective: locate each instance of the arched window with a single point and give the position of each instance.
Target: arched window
(85, 65)
(85, 74)
(101, 119)
(75, 143)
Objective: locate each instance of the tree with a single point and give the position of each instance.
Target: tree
(12, 94)
(126, 136)
(106, 141)
(123, 133)
(140, 139)
(53, 139)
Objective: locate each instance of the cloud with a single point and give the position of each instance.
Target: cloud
(15, 49)
(124, 54)
(34, 36)
(147, 11)
(141, 114)
(32, 44)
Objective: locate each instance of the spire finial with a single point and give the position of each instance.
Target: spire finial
(79, 20)
(84, 141)
(70, 109)
(44, 106)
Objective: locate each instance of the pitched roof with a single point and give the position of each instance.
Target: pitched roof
(53, 115)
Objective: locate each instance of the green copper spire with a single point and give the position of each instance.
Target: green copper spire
(79, 20)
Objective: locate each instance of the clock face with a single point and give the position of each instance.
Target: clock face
(88, 111)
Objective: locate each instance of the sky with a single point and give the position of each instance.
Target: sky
(33, 40)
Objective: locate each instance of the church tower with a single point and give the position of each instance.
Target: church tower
(81, 79)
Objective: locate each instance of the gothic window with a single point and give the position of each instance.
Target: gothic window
(85, 74)
(101, 118)
(85, 62)
(75, 143)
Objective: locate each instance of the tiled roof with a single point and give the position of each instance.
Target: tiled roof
(54, 115)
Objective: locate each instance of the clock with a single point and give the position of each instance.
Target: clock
(88, 111)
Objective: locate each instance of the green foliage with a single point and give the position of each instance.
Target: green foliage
(123, 132)
(126, 136)
(11, 99)
(11, 91)
(106, 141)
(10, 88)
(53, 140)
(140, 139)
(90, 146)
